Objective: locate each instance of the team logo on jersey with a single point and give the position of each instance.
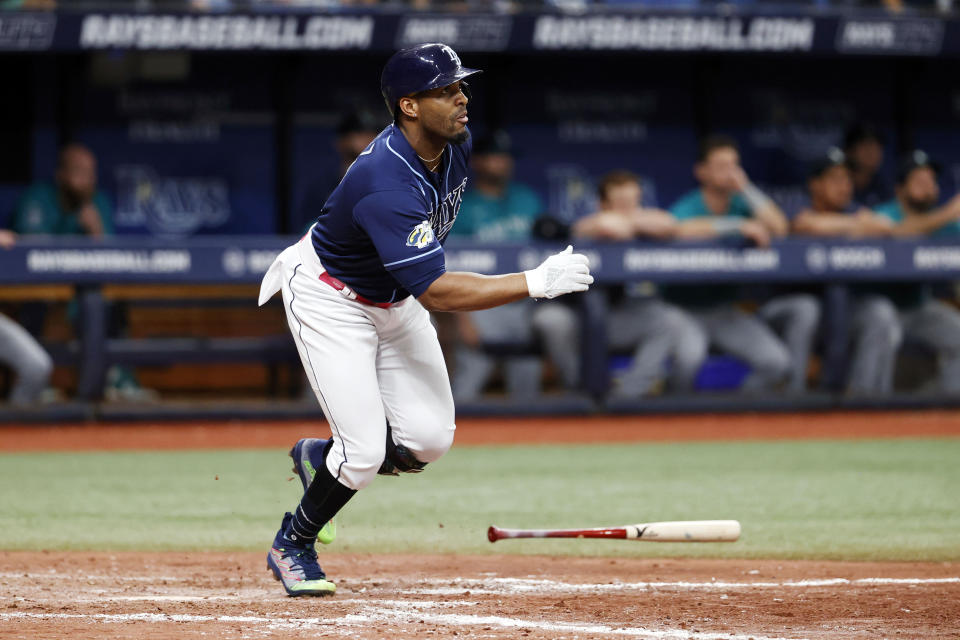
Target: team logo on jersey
(443, 217)
(421, 236)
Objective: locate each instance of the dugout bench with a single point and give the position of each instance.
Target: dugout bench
(228, 270)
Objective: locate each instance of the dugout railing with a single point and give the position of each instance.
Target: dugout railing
(122, 269)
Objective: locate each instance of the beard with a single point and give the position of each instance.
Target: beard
(922, 205)
(460, 138)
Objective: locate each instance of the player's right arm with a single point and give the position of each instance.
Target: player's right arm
(709, 227)
(921, 225)
(603, 225)
(864, 223)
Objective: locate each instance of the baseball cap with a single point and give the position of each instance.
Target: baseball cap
(860, 131)
(833, 157)
(496, 141)
(915, 160)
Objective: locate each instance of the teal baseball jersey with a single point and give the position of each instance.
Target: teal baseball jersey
(40, 211)
(894, 211)
(508, 218)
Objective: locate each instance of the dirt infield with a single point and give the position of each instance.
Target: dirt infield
(255, 434)
(140, 596)
(178, 595)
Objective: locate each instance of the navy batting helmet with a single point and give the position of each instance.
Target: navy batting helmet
(420, 68)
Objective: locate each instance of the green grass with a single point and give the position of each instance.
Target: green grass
(865, 500)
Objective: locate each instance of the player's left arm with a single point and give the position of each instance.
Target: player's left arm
(921, 225)
(400, 230)
(463, 291)
(560, 274)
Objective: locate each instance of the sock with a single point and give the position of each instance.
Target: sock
(324, 498)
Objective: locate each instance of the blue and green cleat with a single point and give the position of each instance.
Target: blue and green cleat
(295, 566)
(307, 455)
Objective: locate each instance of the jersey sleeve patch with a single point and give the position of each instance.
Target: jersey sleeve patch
(421, 236)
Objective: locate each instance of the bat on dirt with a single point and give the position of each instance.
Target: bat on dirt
(682, 531)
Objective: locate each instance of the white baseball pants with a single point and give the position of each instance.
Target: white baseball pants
(367, 366)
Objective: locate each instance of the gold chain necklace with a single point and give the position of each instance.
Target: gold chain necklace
(429, 162)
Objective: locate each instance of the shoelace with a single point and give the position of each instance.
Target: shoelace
(307, 559)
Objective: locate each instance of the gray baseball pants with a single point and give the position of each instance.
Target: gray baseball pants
(775, 341)
(31, 364)
(554, 324)
(878, 330)
(667, 342)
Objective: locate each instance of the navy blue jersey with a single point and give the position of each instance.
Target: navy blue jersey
(382, 229)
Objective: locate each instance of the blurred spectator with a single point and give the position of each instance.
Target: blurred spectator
(863, 147)
(72, 205)
(917, 194)
(498, 209)
(21, 353)
(665, 340)
(875, 329)
(355, 131)
(621, 216)
(32, 5)
(926, 321)
(897, 6)
(728, 203)
(832, 211)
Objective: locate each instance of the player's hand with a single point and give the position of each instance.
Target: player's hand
(654, 223)
(561, 273)
(90, 221)
(756, 232)
(739, 178)
(870, 224)
(7, 239)
(614, 226)
(953, 205)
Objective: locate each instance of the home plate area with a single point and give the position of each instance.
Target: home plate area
(131, 595)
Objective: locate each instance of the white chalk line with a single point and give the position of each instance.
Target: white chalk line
(403, 614)
(92, 577)
(155, 598)
(529, 585)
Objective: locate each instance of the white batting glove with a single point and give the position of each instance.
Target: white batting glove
(561, 273)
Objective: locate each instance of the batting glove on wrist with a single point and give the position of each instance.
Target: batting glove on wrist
(561, 273)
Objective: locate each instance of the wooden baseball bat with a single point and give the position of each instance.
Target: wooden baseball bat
(682, 531)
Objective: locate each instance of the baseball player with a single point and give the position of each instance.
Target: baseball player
(915, 212)
(875, 330)
(663, 337)
(357, 289)
(777, 339)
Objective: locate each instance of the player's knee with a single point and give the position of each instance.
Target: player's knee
(806, 312)
(882, 322)
(691, 340)
(432, 438)
(40, 369)
(556, 319)
(433, 444)
(359, 468)
(772, 364)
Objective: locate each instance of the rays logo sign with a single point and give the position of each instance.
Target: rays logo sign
(421, 236)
